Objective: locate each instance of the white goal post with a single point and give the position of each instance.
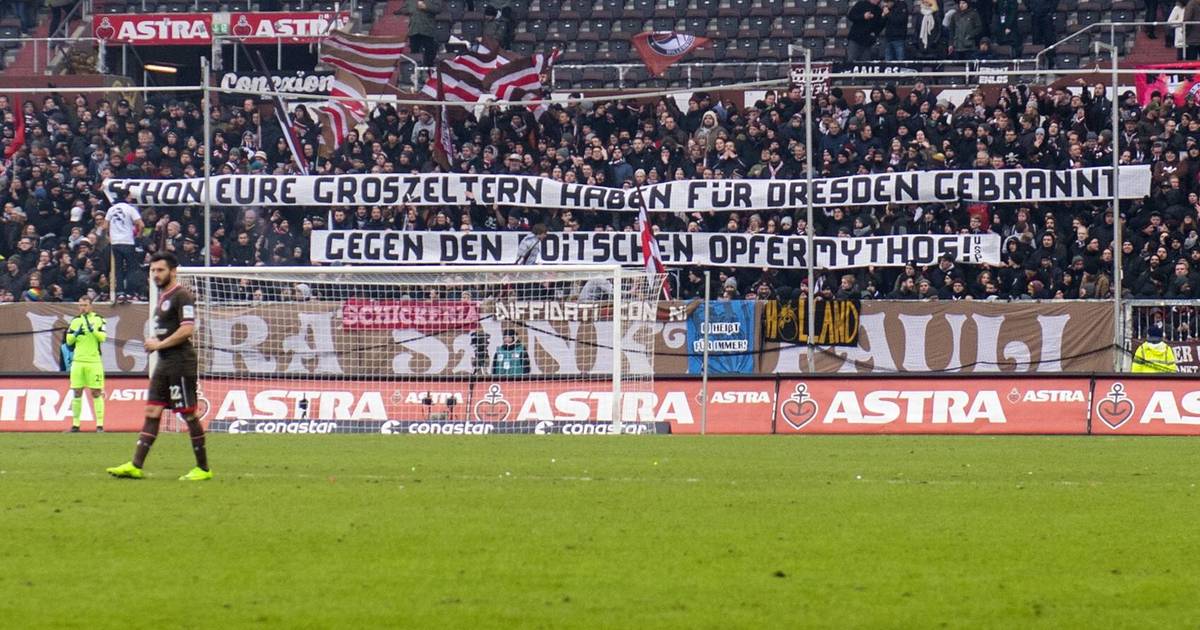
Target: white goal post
(439, 349)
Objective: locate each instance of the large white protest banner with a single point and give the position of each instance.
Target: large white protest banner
(450, 189)
(625, 248)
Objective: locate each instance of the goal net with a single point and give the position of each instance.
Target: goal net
(455, 350)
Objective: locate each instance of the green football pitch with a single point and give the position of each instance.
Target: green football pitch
(612, 532)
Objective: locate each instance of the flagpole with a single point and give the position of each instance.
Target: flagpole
(281, 113)
(206, 104)
(810, 254)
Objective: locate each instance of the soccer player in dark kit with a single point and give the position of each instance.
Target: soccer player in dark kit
(173, 382)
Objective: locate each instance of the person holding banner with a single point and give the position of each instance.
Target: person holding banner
(529, 252)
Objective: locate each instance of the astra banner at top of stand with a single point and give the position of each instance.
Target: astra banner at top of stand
(1003, 186)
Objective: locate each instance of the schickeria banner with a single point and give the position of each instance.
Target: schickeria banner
(451, 189)
(678, 249)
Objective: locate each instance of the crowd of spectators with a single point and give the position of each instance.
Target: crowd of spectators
(56, 242)
(899, 30)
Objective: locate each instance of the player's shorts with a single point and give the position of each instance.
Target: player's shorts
(90, 375)
(173, 386)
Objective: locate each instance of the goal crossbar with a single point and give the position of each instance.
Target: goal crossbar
(221, 297)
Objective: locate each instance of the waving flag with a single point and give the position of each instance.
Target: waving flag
(651, 256)
(462, 77)
(338, 117)
(660, 50)
(370, 59)
(521, 80)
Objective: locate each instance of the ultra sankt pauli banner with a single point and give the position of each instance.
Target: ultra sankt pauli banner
(625, 248)
(726, 195)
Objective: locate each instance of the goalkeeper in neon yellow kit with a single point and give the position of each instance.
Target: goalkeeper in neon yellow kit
(84, 336)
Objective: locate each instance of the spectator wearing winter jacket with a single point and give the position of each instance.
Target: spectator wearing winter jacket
(895, 29)
(965, 29)
(866, 20)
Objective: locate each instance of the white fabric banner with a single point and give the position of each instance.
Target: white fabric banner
(679, 249)
(1004, 186)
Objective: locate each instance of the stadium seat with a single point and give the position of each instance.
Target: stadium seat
(1085, 18)
(707, 8)
(636, 76)
(566, 30)
(779, 46)
(470, 29)
(577, 9)
(628, 26)
(602, 28)
(610, 9)
(573, 58)
(1066, 62)
(1122, 16)
(727, 26)
(833, 53)
(736, 8)
(566, 76)
(663, 24)
(537, 28)
(825, 23)
(588, 47)
(793, 25)
(661, 9)
(726, 74)
(760, 26)
(774, 7)
(696, 25)
(547, 10)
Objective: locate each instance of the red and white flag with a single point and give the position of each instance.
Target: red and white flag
(656, 271)
(371, 59)
(521, 80)
(339, 116)
(462, 77)
(660, 50)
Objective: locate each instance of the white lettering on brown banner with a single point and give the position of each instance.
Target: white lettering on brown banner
(587, 311)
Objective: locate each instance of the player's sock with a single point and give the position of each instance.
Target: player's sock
(196, 430)
(98, 410)
(145, 441)
(76, 410)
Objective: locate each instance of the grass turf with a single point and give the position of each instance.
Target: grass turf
(617, 532)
